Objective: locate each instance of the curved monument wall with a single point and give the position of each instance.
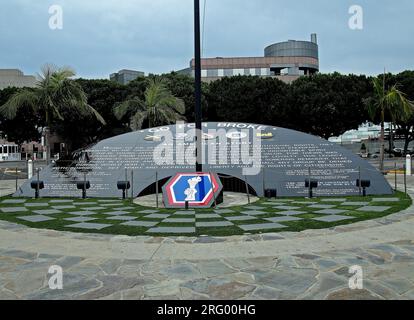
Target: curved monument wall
(278, 159)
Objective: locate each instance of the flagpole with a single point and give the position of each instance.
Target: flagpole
(197, 74)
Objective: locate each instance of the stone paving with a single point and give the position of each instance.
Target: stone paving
(312, 264)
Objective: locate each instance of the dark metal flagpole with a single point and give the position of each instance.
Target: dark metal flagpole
(197, 71)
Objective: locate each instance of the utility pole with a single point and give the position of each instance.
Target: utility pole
(197, 72)
(382, 151)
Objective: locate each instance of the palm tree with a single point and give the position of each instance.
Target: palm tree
(158, 107)
(54, 95)
(392, 102)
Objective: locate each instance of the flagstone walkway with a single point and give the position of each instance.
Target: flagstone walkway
(312, 264)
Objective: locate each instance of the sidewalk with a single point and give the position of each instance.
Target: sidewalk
(305, 265)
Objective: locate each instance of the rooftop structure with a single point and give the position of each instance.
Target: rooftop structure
(125, 76)
(15, 78)
(286, 61)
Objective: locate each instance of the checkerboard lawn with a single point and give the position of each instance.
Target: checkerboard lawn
(115, 216)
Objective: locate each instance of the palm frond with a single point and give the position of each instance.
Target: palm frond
(18, 100)
(397, 104)
(96, 114)
(138, 119)
(61, 75)
(128, 108)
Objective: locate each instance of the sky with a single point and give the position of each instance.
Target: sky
(99, 37)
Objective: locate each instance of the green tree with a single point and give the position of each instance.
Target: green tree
(55, 94)
(405, 127)
(80, 131)
(23, 127)
(327, 104)
(158, 107)
(391, 102)
(248, 99)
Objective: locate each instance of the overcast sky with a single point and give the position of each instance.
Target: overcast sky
(102, 36)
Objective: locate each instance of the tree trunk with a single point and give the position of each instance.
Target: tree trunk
(47, 146)
(391, 139)
(382, 142)
(406, 142)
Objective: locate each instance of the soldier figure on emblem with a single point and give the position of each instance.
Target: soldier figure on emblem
(191, 191)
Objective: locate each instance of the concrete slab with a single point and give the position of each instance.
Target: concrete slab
(36, 218)
(13, 209)
(286, 207)
(179, 220)
(80, 219)
(94, 208)
(89, 226)
(282, 219)
(63, 207)
(86, 203)
(14, 201)
(254, 212)
(261, 226)
(185, 212)
(331, 211)
(333, 218)
(223, 211)
(333, 200)
(140, 223)
(114, 213)
(207, 215)
(304, 202)
(385, 199)
(374, 208)
(240, 218)
(322, 206)
(121, 218)
(36, 204)
(148, 211)
(172, 230)
(157, 216)
(47, 211)
(253, 207)
(354, 203)
(60, 200)
(291, 212)
(207, 224)
(81, 213)
(125, 208)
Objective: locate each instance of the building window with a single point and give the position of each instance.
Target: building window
(212, 73)
(220, 72)
(265, 72)
(228, 72)
(204, 73)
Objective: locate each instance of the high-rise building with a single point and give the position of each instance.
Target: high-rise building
(286, 61)
(15, 78)
(125, 76)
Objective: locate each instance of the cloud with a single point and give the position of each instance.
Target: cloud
(103, 36)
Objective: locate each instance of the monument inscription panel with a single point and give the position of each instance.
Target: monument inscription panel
(265, 156)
